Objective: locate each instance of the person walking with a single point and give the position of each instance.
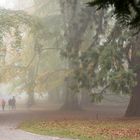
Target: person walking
(13, 103)
(3, 104)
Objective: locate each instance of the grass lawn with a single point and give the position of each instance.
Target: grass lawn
(86, 129)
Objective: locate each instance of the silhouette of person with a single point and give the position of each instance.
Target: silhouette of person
(13, 103)
(3, 104)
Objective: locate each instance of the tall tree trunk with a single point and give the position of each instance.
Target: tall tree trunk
(71, 102)
(85, 98)
(76, 20)
(71, 97)
(31, 99)
(133, 109)
(32, 74)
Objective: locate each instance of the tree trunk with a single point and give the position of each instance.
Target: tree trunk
(78, 19)
(31, 100)
(71, 97)
(133, 109)
(32, 74)
(71, 102)
(30, 92)
(85, 98)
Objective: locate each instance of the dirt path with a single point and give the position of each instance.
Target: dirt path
(10, 120)
(15, 134)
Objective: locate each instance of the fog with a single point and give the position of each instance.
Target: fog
(42, 57)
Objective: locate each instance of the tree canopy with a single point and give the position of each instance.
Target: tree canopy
(127, 12)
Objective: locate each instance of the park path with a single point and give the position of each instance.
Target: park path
(9, 122)
(15, 134)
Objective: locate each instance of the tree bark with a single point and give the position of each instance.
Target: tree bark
(133, 109)
(78, 19)
(85, 98)
(71, 97)
(71, 102)
(32, 74)
(31, 99)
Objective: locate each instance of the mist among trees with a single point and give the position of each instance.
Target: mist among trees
(70, 51)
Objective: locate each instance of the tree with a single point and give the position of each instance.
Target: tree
(14, 24)
(83, 31)
(123, 73)
(73, 15)
(127, 12)
(49, 61)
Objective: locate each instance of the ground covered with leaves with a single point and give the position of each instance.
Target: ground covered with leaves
(87, 129)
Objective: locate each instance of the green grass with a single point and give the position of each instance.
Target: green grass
(35, 128)
(86, 130)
